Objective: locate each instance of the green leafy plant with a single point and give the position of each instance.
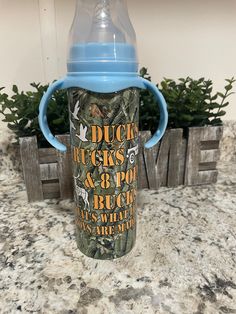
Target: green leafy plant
(190, 103)
(21, 111)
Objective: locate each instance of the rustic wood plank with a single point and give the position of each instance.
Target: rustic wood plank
(142, 172)
(211, 134)
(175, 173)
(49, 171)
(209, 155)
(150, 157)
(198, 140)
(47, 155)
(208, 177)
(51, 189)
(31, 169)
(205, 166)
(65, 169)
(163, 160)
(193, 156)
(204, 145)
(182, 161)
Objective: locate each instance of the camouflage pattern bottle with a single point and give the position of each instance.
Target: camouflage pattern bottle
(104, 147)
(103, 92)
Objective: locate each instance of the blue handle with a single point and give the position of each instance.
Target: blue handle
(43, 115)
(163, 114)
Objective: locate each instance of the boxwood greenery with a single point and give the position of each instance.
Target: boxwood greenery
(191, 102)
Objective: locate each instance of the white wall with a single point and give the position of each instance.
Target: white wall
(175, 39)
(20, 53)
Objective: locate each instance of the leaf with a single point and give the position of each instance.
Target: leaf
(15, 89)
(58, 121)
(221, 113)
(221, 95)
(216, 121)
(231, 81)
(23, 122)
(186, 117)
(224, 105)
(35, 85)
(228, 87)
(213, 105)
(229, 94)
(9, 118)
(214, 97)
(12, 127)
(143, 71)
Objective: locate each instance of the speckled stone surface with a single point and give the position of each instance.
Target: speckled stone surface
(183, 262)
(228, 143)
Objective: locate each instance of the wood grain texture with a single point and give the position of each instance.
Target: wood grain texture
(49, 171)
(142, 171)
(51, 189)
(150, 157)
(209, 176)
(65, 168)
(210, 144)
(205, 166)
(31, 168)
(202, 156)
(163, 160)
(209, 155)
(171, 159)
(47, 155)
(182, 164)
(175, 172)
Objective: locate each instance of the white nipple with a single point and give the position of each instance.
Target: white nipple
(102, 16)
(103, 29)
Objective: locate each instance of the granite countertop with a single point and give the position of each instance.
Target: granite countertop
(183, 262)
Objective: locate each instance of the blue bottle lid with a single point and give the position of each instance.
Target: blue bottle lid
(102, 57)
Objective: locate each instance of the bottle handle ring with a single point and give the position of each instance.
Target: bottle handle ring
(60, 85)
